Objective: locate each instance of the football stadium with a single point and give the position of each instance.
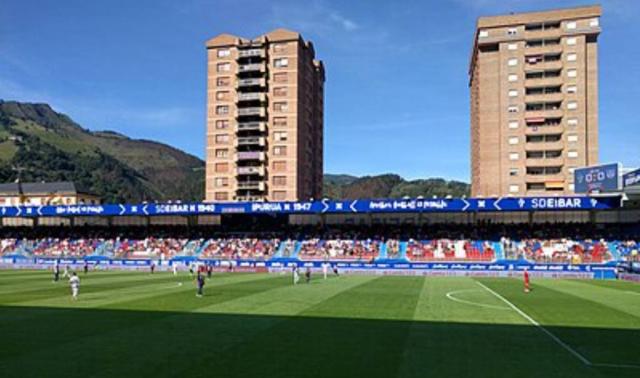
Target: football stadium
(536, 273)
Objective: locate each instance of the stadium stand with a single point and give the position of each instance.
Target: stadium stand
(549, 243)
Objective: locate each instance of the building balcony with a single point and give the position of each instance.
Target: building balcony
(251, 185)
(584, 30)
(544, 146)
(250, 155)
(251, 171)
(541, 50)
(545, 162)
(243, 83)
(539, 66)
(251, 53)
(251, 126)
(250, 141)
(253, 96)
(534, 129)
(253, 67)
(545, 97)
(543, 33)
(558, 177)
(253, 111)
(551, 113)
(250, 198)
(544, 82)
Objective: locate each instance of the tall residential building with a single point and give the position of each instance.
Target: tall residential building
(534, 101)
(264, 118)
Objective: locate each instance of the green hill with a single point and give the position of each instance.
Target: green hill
(390, 186)
(48, 146)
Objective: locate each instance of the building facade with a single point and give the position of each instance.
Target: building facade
(264, 118)
(534, 101)
(45, 193)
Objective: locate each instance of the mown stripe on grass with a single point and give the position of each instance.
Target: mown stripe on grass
(594, 330)
(614, 298)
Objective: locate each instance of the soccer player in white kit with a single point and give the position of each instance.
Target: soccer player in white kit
(74, 282)
(296, 275)
(175, 269)
(325, 269)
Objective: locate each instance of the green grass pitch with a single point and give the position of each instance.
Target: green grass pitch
(128, 324)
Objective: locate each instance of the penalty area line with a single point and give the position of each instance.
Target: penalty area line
(564, 345)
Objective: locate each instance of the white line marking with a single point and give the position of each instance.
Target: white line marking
(451, 293)
(579, 356)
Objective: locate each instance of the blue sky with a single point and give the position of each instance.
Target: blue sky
(396, 91)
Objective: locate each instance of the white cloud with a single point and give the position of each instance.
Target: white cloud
(314, 17)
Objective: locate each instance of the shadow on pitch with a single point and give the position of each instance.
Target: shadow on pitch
(38, 341)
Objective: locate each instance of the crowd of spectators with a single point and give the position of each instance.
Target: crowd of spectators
(564, 242)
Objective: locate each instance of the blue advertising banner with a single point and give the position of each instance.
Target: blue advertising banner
(323, 206)
(631, 179)
(601, 178)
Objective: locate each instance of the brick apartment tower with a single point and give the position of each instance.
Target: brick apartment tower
(264, 118)
(534, 101)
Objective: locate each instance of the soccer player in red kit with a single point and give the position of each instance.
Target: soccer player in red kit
(526, 281)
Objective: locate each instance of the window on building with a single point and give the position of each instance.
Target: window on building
(222, 110)
(571, 25)
(572, 73)
(513, 124)
(280, 136)
(223, 67)
(280, 91)
(279, 47)
(513, 140)
(572, 41)
(594, 22)
(572, 105)
(512, 62)
(221, 167)
(572, 138)
(512, 46)
(483, 34)
(280, 121)
(280, 150)
(513, 172)
(222, 124)
(222, 95)
(279, 195)
(223, 81)
(513, 78)
(572, 122)
(513, 93)
(222, 153)
(512, 31)
(222, 138)
(572, 57)
(221, 196)
(221, 182)
(279, 166)
(280, 77)
(514, 156)
(514, 188)
(572, 89)
(281, 62)
(279, 180)
(572, 154)
(280, 106)
(222, 53)
(512, 109)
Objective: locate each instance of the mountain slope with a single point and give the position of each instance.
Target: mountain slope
(390, 186)
(46, 145)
